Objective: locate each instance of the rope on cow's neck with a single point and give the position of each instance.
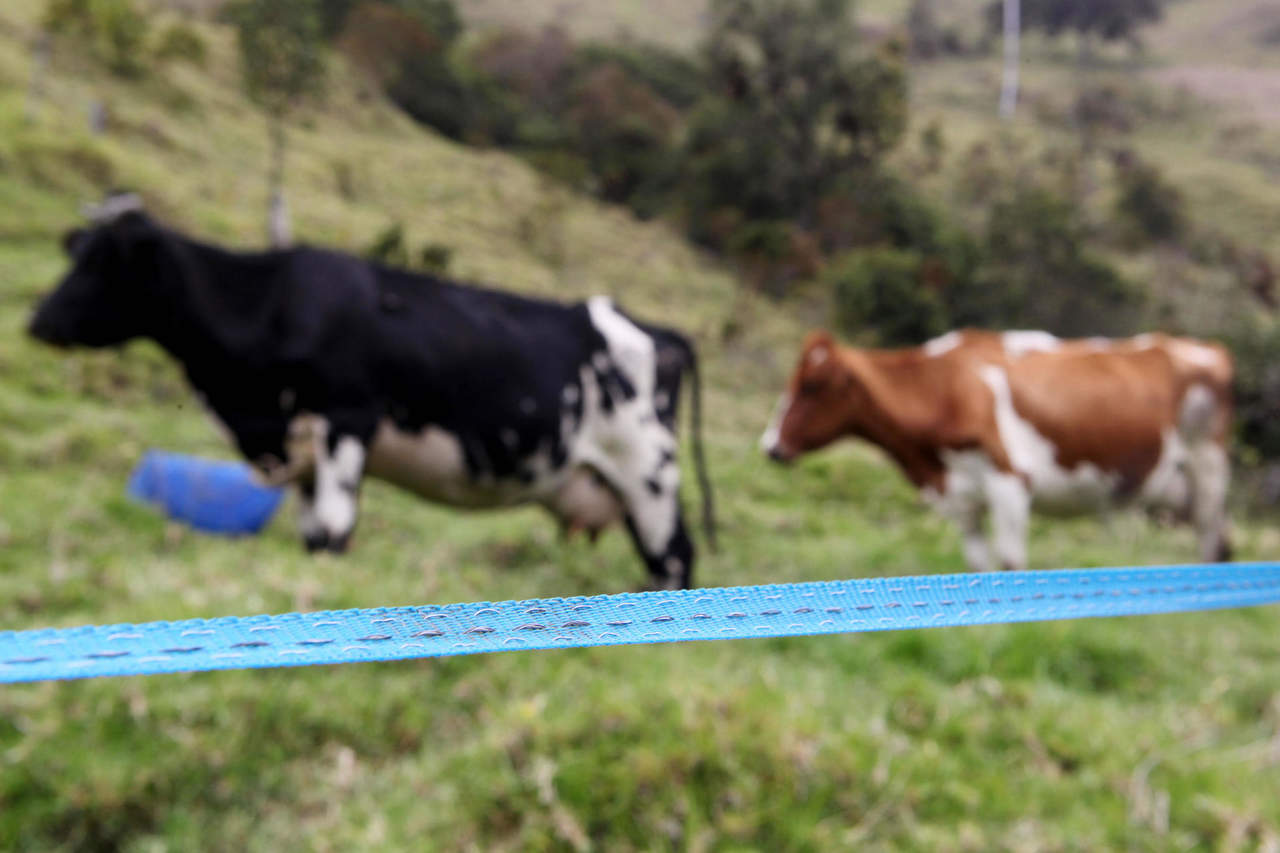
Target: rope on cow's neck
(831, 607)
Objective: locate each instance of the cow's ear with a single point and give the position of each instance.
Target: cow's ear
(72, 240)
(133, 232)
(132, 219)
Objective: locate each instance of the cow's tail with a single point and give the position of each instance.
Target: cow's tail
(699, 456)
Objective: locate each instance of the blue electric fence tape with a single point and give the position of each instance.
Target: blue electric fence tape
(398, 633)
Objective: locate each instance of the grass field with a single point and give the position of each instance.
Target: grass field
(1149, 734)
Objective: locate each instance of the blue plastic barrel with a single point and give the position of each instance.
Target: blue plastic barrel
(210, 495)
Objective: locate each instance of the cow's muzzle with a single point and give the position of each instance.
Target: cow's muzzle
(46, 331)
(781, 454)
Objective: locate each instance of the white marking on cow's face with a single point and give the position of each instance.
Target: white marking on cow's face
(818, 355)
(1054, 488)
(570, 394)
(769, 439)
(1019, 343)
(943, 344)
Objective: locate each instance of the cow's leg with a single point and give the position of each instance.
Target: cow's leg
(1210, 474)
(308, 524)
(961, 497)
(1010, 503)
(670, 563)
(639, 464)
(329, 499)
(971, 519)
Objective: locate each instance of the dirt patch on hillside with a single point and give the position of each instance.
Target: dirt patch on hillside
(1254, 91)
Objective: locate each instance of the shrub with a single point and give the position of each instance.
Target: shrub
(675, 78)
(1038, 271)
(1148, 206)
(381, 40)
(535, 67)
(771, 255)
(429, 90)
(1257, 388)
(438, 17)
(181, 43)
(882, 290)
(624, 131)
(113, 30)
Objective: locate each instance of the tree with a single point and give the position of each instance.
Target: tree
(1109, 20)
(790, 76)
(282, 64)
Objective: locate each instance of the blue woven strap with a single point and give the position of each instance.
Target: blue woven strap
(874, 604)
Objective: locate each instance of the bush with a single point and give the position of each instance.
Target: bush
(382, 40)
(624, 130)
(1257, 388)
(672, 76)
(1037, 271)
(771, 255)
(429, 90)
(1148, 206)
(114, 31)
(438, 17)
(180, 43)
(536, 68)
(882, 290)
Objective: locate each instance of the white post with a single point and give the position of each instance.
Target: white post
(279, 234)
(1012, 30)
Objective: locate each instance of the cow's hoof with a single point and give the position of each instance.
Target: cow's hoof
(324, 541)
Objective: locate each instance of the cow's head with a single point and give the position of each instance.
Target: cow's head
(102, 300)
(814, 410)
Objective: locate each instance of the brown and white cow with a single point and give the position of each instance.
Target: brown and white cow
(996, 423)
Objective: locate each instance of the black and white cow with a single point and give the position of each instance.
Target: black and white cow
(325, 367)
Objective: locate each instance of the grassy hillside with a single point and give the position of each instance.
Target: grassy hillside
(1153, 733)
